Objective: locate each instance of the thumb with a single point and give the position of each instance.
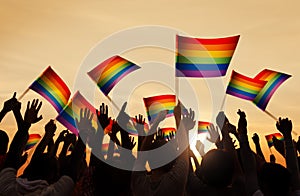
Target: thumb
(124, 106)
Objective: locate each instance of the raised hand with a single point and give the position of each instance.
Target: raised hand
(139, 124)
(285, 126)
(255, 139)
(213, 133)
(84, 124)
(31, 113)
(11, 104)
(188, 120)
(123, 118)
(132, 143)
(62, 136)
(50, 129)
(242, 125)
(102, 115)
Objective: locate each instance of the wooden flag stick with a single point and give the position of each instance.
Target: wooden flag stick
(271, 115)
(113, 103)
(23, 94)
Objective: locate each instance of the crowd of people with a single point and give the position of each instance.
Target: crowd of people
(224, 170)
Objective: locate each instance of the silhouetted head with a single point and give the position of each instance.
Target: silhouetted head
(3, 142)
(217, 168)
(274, 179)
(43, 167)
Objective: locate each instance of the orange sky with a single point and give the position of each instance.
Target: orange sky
(35, 34)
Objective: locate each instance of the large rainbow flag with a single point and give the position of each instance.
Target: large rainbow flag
(244, 87)
(156, 104)
(274, 79)
(202, 127)
(52, 88)
(269, 138)
(108, 73)
(198, 57)
(72, 111)
(32, 141)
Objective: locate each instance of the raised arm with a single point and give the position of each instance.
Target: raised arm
(247, 157)
(259, 152)
(285, 127)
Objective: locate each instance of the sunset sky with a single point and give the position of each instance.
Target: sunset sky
(35, 34)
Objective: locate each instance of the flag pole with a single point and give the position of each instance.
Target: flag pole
(176, 89)
(23, 94)
(223, 102)
(113, 103)
(271, 115)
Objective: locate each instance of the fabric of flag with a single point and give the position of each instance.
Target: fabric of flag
(52, 88)
(167, 131)
(72, 111)
(274, 79)
(108, 73)
(32, 141)
(156, 104)
(269, 138)
(202, 127)
(198, 57)
(244, 87)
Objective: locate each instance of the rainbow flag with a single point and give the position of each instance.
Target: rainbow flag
(156, 104)
(269, 138)
(274, 79)
(108, 73)
(167, 131)
(105, 147)
(202, 127)
(198, 57)
(72, 111)
(52, 88)
(244, 87)
(32, 141)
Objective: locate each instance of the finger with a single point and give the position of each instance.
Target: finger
(106, 110)
(39, 107)
(81, 113)
(124, 106)
(28, 103)
(39, 118)
(14, 96)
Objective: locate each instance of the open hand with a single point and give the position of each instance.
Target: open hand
(31, 113)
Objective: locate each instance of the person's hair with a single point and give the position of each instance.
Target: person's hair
(217, 168)
(3, 142)
(274, 179)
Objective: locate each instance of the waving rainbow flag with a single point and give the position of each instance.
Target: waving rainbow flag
(72, 111)
(52, 88)
(198, 57)
(274, 79)
(244, 87)
(156, 104)
(32, 141)
(202, 127)
(108, 73)
(269, 138)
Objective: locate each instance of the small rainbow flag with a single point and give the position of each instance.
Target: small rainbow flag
(32, 141)
(108, 73)
(52, 88)
(72, 111)
(274, 79)
(198, 57)
(269, 138)
(202, 127)
(244, 87)
(167, 131)
(156, 104)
